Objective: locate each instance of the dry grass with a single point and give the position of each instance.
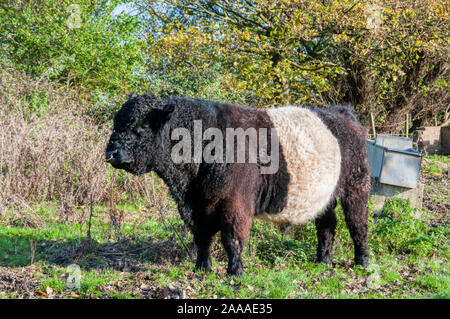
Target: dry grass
(50, 151)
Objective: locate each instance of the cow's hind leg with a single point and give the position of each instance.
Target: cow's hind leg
(325, 227)
(354, 204)
(233, 246)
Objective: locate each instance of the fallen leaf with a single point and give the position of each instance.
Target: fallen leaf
(42, 293)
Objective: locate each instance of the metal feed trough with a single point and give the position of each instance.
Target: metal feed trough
(393, 161)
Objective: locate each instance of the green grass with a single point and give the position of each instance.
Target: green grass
(143, 258)
(286, 269)
(435, 169)
(437, 164)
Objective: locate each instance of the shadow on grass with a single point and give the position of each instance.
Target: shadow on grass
(125, 254)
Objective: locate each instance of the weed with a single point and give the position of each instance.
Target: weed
(403, 229)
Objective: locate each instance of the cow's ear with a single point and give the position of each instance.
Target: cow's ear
(156, 118)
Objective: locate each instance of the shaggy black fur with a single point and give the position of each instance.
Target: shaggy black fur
(353, 187)
(225, 197)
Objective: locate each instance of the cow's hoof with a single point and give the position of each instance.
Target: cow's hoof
(235, 271)
(362, 261)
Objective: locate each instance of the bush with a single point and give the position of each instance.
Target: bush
(49, 151)
(79, 44)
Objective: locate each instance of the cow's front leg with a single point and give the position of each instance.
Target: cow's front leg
(203, 243)
(235, 223)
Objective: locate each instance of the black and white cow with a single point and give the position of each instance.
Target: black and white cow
(321, 156)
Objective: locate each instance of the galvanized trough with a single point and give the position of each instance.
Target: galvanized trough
(392, 161)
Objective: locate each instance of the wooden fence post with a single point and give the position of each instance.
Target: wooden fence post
(406, 125)
(373, 125)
